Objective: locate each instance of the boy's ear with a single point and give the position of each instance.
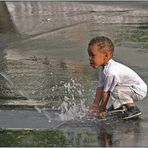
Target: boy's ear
(106, 54)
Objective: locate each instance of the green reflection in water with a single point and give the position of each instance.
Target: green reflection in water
(46, 138)
(31, 138)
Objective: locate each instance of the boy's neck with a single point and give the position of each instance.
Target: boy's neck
(106, 62)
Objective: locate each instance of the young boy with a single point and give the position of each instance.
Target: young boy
(116, 80)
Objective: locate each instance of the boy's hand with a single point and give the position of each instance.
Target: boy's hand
(101, 114)
(102, 111)
(92, 109)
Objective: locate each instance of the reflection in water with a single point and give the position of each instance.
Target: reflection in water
(105, 137)
(84, 134)
(122, 133)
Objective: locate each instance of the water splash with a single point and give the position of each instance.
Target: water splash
(73, 107)
(72, 111)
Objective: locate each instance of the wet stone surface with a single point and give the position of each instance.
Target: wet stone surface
(45, 77)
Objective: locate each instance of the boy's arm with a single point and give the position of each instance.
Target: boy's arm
(103, 103)
(95, 104)
(98, 96)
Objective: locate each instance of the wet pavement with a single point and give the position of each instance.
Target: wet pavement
(26, 125)
(44, 65)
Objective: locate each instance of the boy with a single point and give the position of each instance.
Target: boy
(116, 80)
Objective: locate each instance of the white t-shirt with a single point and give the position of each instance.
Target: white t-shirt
(116, 74)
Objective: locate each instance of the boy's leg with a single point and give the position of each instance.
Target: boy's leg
(121, 96)
(125, 96)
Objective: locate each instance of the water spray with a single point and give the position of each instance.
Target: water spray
(23, 94)
(70, 110)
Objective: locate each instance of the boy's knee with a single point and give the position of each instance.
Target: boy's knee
(137, 97)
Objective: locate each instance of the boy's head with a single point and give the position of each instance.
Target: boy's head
(100, 50)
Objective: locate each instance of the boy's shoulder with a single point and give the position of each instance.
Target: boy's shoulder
(110, 67)
(116, 65)
(114, 68)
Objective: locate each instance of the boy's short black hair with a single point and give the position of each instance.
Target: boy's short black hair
(104, 43)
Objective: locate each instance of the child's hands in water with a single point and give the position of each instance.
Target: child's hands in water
(92, 109)
(101, 113)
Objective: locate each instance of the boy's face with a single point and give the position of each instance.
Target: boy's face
(96, 57)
